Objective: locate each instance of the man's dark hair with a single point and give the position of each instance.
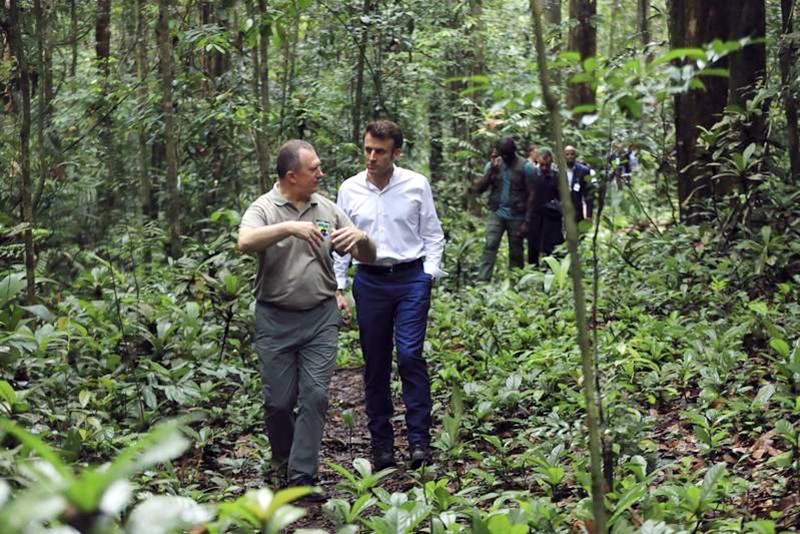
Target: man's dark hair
(386, 130)
(289, 156)
(507, 148)
(545, 152)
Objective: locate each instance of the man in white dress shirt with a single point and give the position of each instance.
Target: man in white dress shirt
(395, 207)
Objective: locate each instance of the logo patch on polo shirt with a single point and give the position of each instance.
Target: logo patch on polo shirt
(324, 228)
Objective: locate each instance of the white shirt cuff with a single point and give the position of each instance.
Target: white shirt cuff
(341, 283)
(434, 270)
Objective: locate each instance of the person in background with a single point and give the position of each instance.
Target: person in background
(393, 292)
(544, 217)
(508, 178)
(294, 231)
(579, 178)
(533, 155)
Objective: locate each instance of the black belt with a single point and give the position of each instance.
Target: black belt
(390, 269)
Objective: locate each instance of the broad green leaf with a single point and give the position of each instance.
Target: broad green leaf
(7, 393)
(762, 398)
(681, 53)
(162, 514)
(39, 447)
(633, 495)
(10, 287)
(40, 311)
(712, 478)
(780, 346)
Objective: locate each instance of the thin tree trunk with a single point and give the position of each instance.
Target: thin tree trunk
(73, 32)
(145, 183)
(552, 15)
(261, 138)
(167, 66)
(263, 74)
(643, 18)
(108, 193)
(582, 39)
(358, 101)
(589, 378)
(616, 9)
(45, 94)
(25, 140)
(788, 55)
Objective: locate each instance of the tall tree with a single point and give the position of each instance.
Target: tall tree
(14, 30)
(73, 36)
(692, 24)
(582, 39)
(552, 16)
(358, 99)
(108, 191)
(788, 58)
(591, 397)
(148, 207)
(167, 70)
(747, 66)
(643, 21)
(261, 91)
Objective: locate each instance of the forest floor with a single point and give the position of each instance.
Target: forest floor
(342, 444)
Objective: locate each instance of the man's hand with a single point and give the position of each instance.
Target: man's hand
(344, 307)
(346, 239)
(307, 231)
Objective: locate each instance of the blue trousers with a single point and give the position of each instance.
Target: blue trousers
(392, 309)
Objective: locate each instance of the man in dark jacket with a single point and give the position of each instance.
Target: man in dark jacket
(508, 177)
(579, 177)
(544, 217)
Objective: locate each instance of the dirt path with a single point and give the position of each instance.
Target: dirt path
(341, 444)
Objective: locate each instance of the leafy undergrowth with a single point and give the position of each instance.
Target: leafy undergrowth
(699, 372)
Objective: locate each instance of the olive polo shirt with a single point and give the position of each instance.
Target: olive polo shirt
(292, 273)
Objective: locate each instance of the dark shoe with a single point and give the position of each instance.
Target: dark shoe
(420, 455)
(383, 459)
(317, 494)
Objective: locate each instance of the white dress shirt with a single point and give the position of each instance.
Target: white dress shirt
(400, 218)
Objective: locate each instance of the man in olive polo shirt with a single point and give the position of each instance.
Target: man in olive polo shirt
(294, 231)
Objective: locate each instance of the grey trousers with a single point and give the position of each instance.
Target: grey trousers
(297, 350)
(495, 228)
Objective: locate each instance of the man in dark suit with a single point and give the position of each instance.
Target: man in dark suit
(579, 177)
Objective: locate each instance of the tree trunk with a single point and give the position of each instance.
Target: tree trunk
(108, 193)
(73, 33)
(692, 24)
(44, 74)
(26, 189)
(591, 397)
(102, 35)
(643, 18)
(616, 9)
(435, 119)
(358, 100)
(260, 71)
(145, 182)
(167, 67)
(749, 65)
(263, 52)
(788, 56)
(582, 39)
(552, 16)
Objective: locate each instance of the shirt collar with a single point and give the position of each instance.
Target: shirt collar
(392, 179)
(279, 200)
